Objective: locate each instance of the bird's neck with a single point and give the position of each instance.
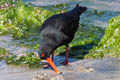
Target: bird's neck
(74, 12)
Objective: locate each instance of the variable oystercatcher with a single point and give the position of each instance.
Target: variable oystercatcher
(59, 30)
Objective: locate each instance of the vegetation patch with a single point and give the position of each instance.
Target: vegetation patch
(22, 20)
(109, 45)
(29, 59)
(3, 53)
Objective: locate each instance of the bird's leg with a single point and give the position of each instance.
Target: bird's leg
(66, 59)
(67, 49)
(52, 56)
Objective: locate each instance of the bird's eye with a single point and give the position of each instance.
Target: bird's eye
(42, 55)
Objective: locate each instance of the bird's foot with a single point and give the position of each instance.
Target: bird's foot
(64, 63)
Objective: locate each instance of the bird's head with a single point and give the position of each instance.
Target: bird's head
(80, 9)
(44, 52)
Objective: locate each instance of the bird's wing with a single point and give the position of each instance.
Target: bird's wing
(53, 35)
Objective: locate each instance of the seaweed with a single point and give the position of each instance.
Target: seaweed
(109, 45)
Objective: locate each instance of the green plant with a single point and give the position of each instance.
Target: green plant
(23, 20)
(109, 45)
(3, 52)
(30, 59)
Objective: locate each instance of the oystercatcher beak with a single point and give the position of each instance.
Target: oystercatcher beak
(53, 65)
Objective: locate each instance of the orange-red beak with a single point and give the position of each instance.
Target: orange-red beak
(53, 65)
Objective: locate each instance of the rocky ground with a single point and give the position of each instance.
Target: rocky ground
(103, 69)
(96, 69)
(100, 69)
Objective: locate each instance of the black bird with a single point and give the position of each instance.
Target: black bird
(59, 30)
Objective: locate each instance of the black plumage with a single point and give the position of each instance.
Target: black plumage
(59, 30)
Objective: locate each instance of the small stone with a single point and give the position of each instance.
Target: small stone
(60, 77)
(14, 0)
(2, 6)
(62, 11)
(19, 56)
(6, 4)
(35, 79)
(90, 70)
(41, 76)
(13, 5)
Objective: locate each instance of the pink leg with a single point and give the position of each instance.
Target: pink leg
(66, 59)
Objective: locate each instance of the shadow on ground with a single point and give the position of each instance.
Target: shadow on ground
(79, 51)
